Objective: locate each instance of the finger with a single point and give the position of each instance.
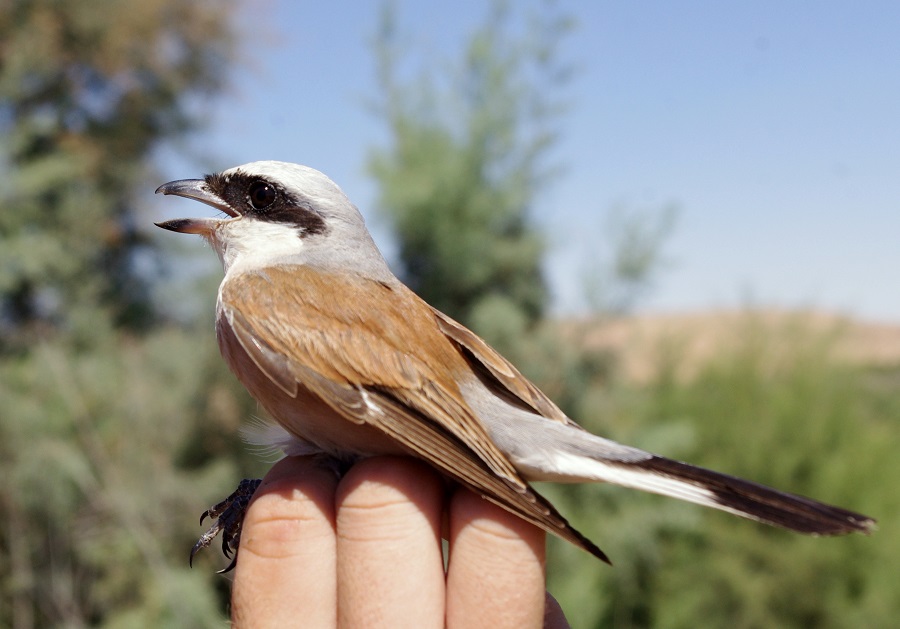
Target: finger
(390, 566)
(554, 618)
(496, 573)
(286, 568)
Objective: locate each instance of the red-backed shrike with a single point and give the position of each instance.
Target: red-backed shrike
(348, 361)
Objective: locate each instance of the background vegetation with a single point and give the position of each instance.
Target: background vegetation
(103, 476)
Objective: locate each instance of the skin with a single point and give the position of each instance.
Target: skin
(365, 551)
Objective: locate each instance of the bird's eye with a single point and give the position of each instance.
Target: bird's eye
(261, 195)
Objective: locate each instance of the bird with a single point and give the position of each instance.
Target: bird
(349, 362)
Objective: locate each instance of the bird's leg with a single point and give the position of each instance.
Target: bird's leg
(229, 519)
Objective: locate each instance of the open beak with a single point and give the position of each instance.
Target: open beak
(198, 190)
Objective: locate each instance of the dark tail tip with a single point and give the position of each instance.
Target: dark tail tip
(758, 502)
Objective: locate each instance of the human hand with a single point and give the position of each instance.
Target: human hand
(365, 551)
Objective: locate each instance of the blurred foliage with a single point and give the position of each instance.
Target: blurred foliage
(787, 416)
(87, 91)
(467, 156)
(116, 425)
(105, 412)
(96, 503)
(624, 271)
(465, 161)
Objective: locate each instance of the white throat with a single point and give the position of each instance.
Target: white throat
(246, 244)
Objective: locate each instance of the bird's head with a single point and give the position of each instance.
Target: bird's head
(278, 213)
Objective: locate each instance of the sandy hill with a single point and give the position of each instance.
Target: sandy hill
(643, 341)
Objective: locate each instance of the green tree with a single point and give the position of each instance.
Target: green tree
(457, 181)
(467, 156)
(87, 91)
(100, 406)
(634, 258)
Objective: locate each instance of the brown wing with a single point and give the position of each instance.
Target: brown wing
(356, 343)
(500, 374)
(358, 333)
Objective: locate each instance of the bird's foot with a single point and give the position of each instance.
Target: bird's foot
(229, 519)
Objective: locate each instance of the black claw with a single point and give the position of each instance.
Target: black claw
(229, 567)
(228, 518)
(194, 551)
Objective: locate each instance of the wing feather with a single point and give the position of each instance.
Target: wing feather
(342, 329)
(502, 377)
(369, 373)
(423, 438)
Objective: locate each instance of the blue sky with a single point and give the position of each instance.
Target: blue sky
(774, 127)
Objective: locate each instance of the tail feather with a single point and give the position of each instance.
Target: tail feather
(741, 497)
(758, 502)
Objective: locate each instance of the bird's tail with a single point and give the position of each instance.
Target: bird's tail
(720, 491)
